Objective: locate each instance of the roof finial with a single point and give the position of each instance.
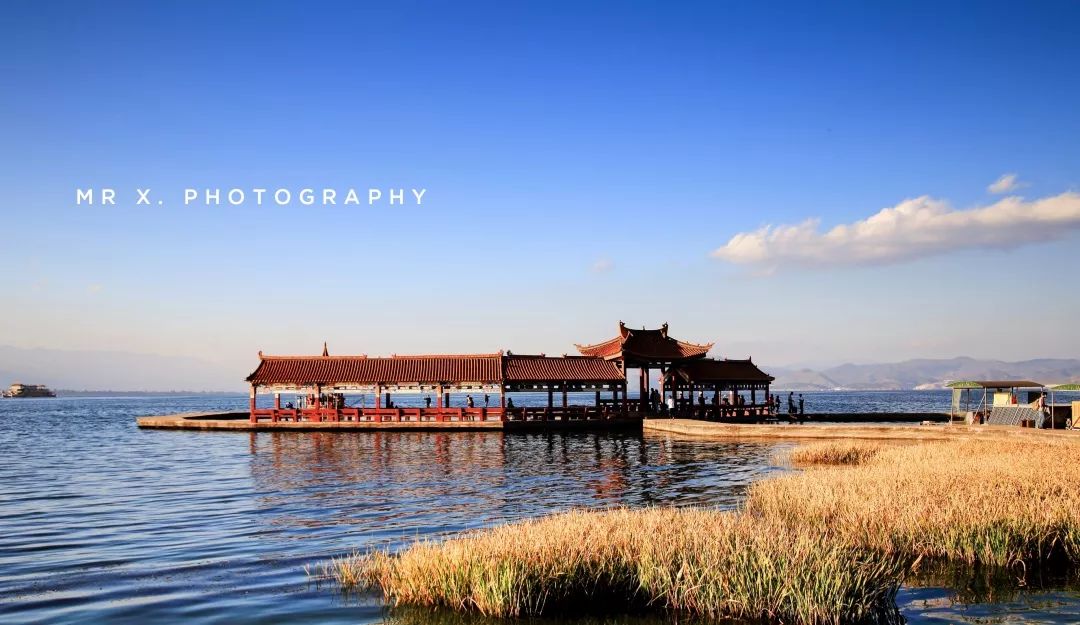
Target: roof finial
(325, 352)
(663, 329)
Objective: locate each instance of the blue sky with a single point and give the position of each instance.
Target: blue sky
(581, 165)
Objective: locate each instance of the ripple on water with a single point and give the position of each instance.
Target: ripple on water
(102, 522)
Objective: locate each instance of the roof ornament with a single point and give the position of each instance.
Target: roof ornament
(325, 352)
(260, 355)
(663, 329)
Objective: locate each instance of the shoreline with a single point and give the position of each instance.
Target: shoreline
(831, 431)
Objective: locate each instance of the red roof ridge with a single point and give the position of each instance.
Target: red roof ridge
(456, 356)
(701, 345)
(600, 344)
(263, 356)
(564, 356)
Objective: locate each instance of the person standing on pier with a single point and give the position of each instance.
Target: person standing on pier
(469, 402)
(427, 402)
(791, 402)
(802, 406)
(487, 400)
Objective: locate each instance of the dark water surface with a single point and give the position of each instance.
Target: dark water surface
(102, 522)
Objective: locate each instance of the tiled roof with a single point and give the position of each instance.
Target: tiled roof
(721, 371)
(649, 345)
(607, 349)
(487, 368)
(364, 370)
(565, 369)
(714, 370)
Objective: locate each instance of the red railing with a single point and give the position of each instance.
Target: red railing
(375, 415)
(437, 415)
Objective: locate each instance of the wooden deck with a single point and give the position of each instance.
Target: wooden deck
(397, 419)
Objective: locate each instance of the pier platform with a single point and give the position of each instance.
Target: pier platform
(241, 421)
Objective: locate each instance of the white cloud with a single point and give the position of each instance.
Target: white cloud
(912, 229)
(603, 265)
(1004, 184)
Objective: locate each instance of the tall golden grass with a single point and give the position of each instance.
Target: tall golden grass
(694, 561)
(827, 545)
(995, 502)
(835, 452)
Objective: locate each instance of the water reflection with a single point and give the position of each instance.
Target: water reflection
(388, 483)
(956, 594)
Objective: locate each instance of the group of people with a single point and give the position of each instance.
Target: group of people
(469, 403)
(735, 405)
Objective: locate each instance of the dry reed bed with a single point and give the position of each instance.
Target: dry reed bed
(828, 545)
(991, 502)
(835, 452)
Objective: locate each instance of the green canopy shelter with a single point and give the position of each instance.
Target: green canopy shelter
(962, 391)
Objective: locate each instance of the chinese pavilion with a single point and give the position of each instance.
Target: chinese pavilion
(321, 383)
(646, 350)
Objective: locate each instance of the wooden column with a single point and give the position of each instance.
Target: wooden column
(642, 395)
(551, 397)
(251, 403)
(277, 401)
(597, 399)
(564, 395)
(663, 383)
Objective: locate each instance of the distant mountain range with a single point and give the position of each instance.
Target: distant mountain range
(91, 372)
(925, 373)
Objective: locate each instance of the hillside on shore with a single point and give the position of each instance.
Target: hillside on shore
(925, 374)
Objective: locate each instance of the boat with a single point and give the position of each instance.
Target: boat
(28, 390)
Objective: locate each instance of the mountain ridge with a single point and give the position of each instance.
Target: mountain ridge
(925, 373)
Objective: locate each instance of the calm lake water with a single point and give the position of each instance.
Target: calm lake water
(102, 522)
